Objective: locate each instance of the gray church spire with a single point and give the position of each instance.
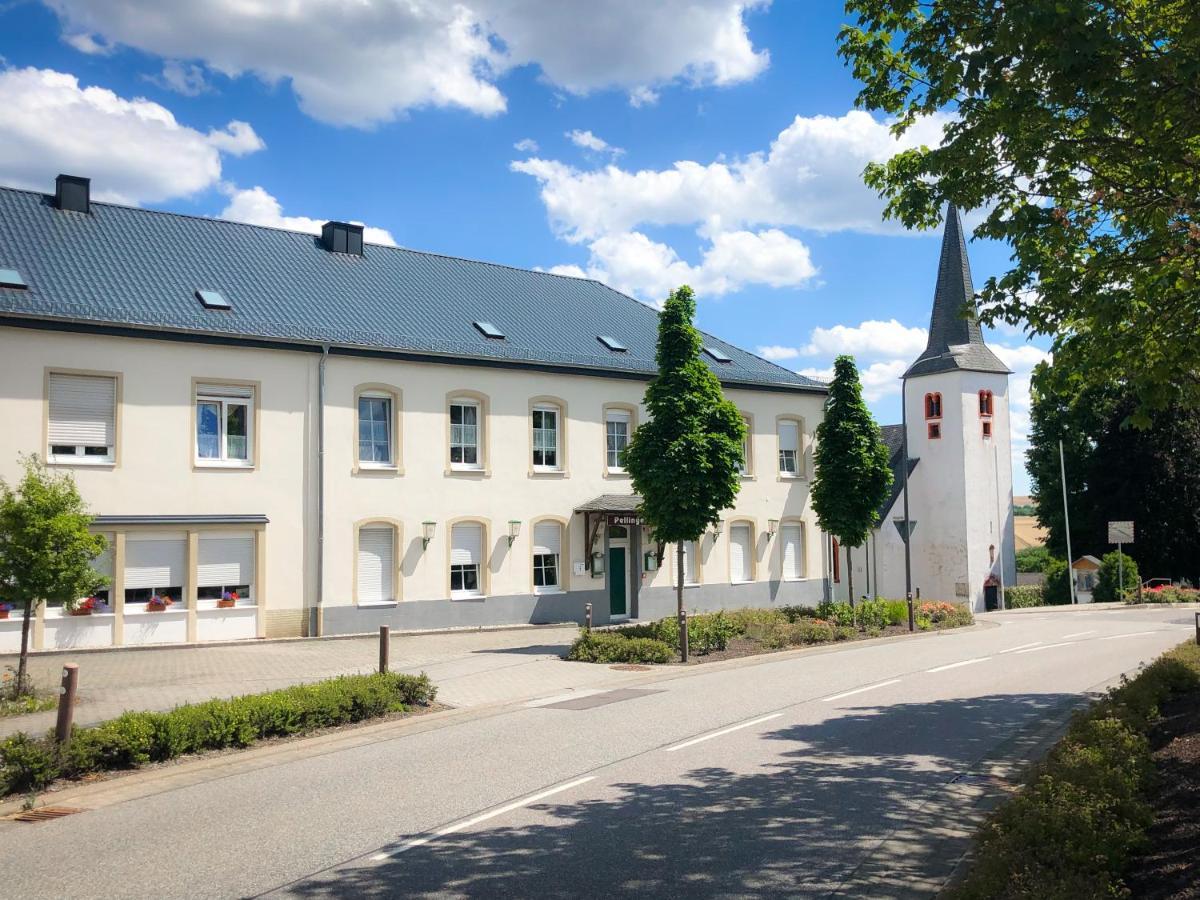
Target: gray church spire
(955, 338)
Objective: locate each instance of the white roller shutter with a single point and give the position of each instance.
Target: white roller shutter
(157, 562)
(376, 563)
(740, 553)
(689, 562)
(466, 545)
(241, 391)
(789, 436)
(793, 552)
(225, 560)
(547, 538)
(82, 410)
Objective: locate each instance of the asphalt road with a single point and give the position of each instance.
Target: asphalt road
(851, 771)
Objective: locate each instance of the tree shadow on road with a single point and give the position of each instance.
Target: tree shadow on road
(798, 826)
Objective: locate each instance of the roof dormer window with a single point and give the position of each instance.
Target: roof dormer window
(11, 278)
(212, 299)
(488, 330)
(719, 355)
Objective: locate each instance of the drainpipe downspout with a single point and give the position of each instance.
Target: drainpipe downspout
(318, 623)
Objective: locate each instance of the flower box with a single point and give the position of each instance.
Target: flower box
(3, 613)
(81, 611)
(226, 604)
(158, 604)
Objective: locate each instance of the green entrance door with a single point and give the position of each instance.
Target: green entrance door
(616, 581)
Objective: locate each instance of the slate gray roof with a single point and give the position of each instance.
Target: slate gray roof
(893, 438)
(955, 338)
(125, 267)
(618, 503)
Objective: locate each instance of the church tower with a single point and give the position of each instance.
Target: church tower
(957, 410)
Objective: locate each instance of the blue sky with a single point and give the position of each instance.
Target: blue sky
(620, 140)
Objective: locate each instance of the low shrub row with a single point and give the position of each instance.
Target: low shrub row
(1083, 812)
(773, 629)
(1024, 596)
(136, 738)
(1166, 594)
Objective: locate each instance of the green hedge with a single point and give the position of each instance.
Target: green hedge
(137, 738)
(617, 647)
(1024, 596)
(1083, 812)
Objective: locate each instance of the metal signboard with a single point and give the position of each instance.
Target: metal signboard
(1120, 532)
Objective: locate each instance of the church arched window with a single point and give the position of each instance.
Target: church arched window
(985, 403)
(933, 406)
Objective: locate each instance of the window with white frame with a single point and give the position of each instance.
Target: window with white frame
(375, 437)
(225, 566)
(741, 553)
(545, 438)
(82, 418)
(745, 466)
(466, 560)
(616, 428)
(791, 542)
(465, 433)
(376, 564)
(224, 421)
(789, 447)
(547, 549)
(154, 567)
(690, 576)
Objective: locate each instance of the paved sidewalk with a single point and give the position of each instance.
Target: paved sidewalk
(472, 668)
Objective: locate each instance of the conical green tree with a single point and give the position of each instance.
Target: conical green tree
(686, 460)
(853, 475)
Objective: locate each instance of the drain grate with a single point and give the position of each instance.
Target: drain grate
(46, 813)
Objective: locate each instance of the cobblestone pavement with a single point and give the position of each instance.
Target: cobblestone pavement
(470, 669)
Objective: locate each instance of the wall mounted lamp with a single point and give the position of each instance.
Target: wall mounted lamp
(514, 530)
(427, 529)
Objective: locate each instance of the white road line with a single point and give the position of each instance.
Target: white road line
(1078, 634)
(1046, 647)
(965, 662)
(459, 826)
(1020, 647)
(869, 687)
(1114, 637)
(723, 731)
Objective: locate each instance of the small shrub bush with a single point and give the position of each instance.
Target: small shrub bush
(1057, 589)
(1114, 568)
(710, 632)
(796, 613)
(615, 647)
(1033, 559)
(136, 738)
(897, 611)
(836, 612)
(1167, 594)
(945, 615)
(872, 615)
(1024, 596)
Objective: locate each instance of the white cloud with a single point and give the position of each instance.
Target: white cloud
(183, 78)
(810, 177)
(526, 145)
(872, 338)
(635, 264)
(775, 352)
(589, 141)
(257, 207)
(878, 380)
(133, 150)
(369, 61)
(642, 96)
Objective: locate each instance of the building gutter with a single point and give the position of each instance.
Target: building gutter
(318, 623)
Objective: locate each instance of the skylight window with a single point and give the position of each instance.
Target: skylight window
(611, 343)
(11, 278)
(488, 330)
(213, 300)
(718, 355)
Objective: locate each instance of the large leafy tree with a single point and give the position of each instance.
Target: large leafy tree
(853, 475)
(1116, 472)
(46, 550)
(686, 460)
(1076, 125)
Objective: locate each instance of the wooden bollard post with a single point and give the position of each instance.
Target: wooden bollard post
(912, 618)
(66, 703)
(683, 635)
(587, 617)
(385, 645)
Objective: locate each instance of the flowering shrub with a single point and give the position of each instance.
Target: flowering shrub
(939, 614)
(1168, 593)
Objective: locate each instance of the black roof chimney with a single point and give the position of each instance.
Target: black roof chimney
(342, 237)
(74, 193)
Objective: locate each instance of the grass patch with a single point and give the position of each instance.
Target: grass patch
(27, 703)
(760, 630)
(1084, 810)
(137, 738)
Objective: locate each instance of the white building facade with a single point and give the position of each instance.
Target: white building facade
(956, 416)
(284, 435)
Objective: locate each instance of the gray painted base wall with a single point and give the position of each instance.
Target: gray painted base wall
(527, 609)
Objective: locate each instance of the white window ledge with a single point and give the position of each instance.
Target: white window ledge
(377, 604)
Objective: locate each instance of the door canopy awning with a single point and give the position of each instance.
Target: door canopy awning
(611, 503)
